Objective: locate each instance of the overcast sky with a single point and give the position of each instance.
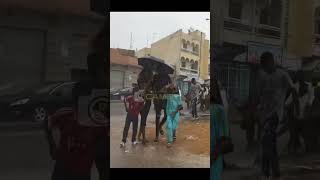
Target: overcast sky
(148, 27)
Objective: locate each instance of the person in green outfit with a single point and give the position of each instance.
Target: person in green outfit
(219, 127)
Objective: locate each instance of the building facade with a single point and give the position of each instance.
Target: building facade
(41, 42)
(244, 29)
(124, 68)
(187, 52)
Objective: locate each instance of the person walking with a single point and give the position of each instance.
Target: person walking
(301, 102)
(272, 87)
(135, 105)
(144, 83)
(218, 128)
(160, 81)
(173, 109)
(194, 95)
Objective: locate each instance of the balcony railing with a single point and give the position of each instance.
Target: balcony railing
(186, 70)
(236, 24)
(190, 51)
(261, 29)
(267, 30)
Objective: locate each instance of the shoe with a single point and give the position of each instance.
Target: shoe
(122, 145)
(169, 145)
(196, 118)
(134, 143)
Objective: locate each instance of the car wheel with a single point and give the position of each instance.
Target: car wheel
(40, 114)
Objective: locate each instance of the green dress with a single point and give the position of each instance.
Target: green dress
(173, 101)
(219, 127)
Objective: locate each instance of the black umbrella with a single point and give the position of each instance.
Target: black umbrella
(155, 64)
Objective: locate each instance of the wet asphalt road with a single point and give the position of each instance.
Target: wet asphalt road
(244, 160)
(153, 155)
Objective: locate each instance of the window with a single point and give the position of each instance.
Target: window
(195, 65)
(270, 13)
(183, 62)
(235, 9)
(45, 89)
(184, 44)
(64, 90)
(188, 45)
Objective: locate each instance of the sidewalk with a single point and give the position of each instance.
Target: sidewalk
(298, 168)
(19, 126)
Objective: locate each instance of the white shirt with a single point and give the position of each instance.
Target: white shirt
(306, 99)
(272, 89)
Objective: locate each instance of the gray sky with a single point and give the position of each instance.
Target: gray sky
(148, 27)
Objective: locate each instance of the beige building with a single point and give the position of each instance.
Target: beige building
(187, 52)
(124, 68)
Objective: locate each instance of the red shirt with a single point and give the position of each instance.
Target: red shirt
(77, 142)
(134, 106)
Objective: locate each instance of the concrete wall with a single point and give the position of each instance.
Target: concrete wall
(143, 52)
(301, 26)
(66, 38)
(204, 62)
(130, 74)
(168, 48)
(171, 49)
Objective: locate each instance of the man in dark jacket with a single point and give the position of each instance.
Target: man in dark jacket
(159, 82)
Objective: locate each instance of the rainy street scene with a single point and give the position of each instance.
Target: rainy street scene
(265, 80)
(45, 49)
(159, 90)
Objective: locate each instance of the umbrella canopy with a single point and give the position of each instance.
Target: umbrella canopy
(155, 64)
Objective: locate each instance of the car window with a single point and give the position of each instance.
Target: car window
(64, 90)
(45, 89)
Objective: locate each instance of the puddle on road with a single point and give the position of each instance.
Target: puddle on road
(186, 152)
(192, 137)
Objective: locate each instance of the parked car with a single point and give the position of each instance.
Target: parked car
(36, 104)
(121, 92)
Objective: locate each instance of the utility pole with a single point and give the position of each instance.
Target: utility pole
(131, 41)
(147, 41)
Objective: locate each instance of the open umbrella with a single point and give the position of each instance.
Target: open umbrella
(155, 64)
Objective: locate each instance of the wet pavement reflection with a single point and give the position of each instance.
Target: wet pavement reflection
(191, 150)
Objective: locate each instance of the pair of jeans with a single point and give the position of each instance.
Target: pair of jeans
(159, 105)
(144, 113)
(134, 119)
(270, 159)
(194, 107)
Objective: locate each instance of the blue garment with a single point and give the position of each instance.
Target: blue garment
(219, 127)
(173, 101)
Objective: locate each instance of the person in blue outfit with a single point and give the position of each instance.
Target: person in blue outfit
(173, 108)
(219, 127)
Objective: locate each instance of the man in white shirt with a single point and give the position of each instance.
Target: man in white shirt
(272, 87)
(300, 105)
